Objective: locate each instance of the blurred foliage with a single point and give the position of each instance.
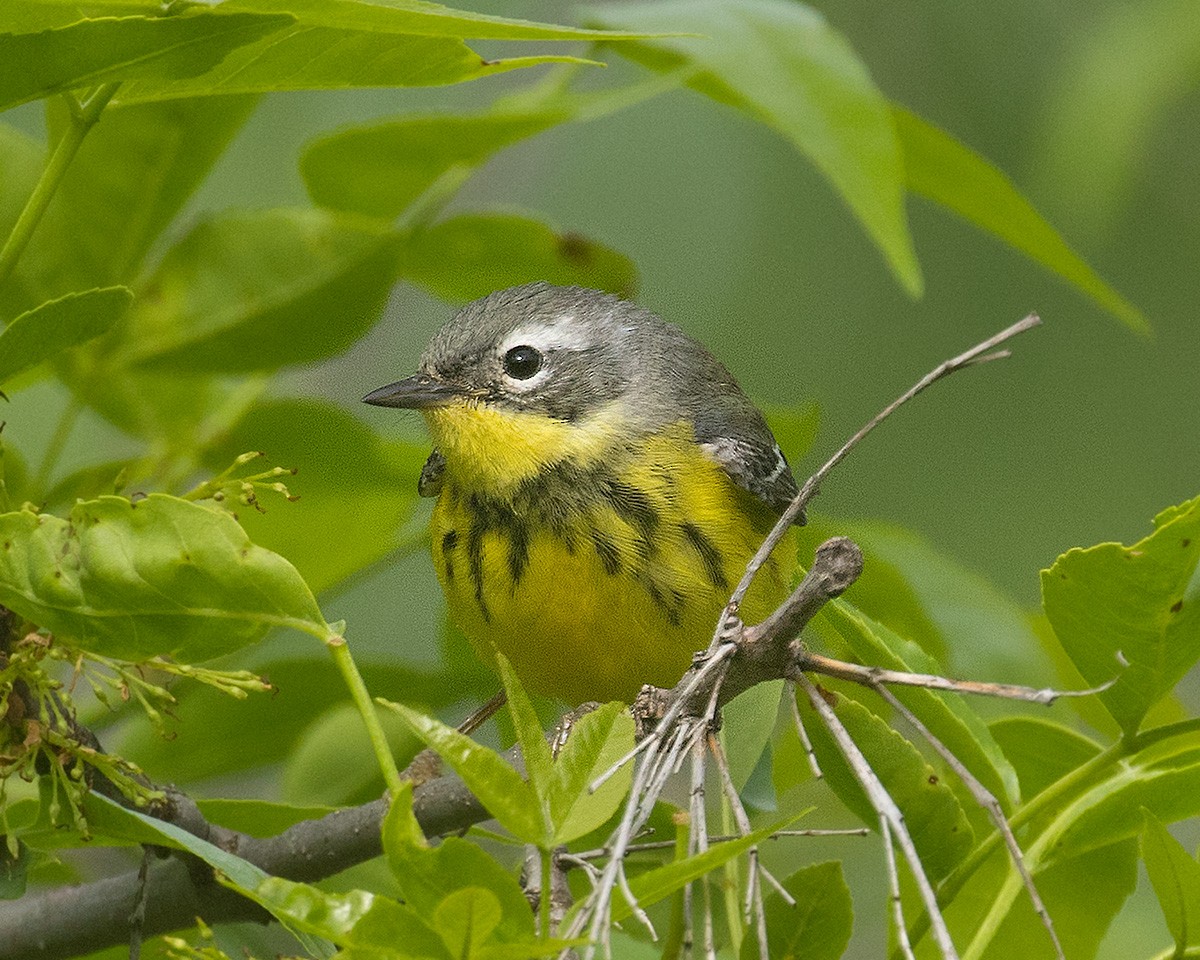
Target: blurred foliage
(196, 257)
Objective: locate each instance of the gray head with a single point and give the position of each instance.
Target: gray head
(569, 353)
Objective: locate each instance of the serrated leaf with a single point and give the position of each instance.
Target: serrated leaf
(160, 577)
(379, 169)
(109, 817)
(1175, 875)
(57, 325)
(1142, 602)
(497, 785)
(597, 741)
(818, 927)
(467, 257)
(940, 168)
(106, 49)
(932, 813)
(257, 291)
(946, 715)
(348, 478)
(786, 67)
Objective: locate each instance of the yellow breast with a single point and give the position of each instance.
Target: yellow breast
(601, 568)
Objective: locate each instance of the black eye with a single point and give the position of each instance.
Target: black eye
(522, 362)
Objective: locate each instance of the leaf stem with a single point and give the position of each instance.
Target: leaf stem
(83, 117)
(366, 708)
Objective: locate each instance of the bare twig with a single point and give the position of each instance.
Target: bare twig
(987, 800)
(889, 859)
(802, 733)
(886, 808)
(873, 677)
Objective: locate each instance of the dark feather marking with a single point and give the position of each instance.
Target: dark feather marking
(475, 557)
(710, 556)
(518, 550)
(607, 550)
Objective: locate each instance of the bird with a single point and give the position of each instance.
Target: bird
(601, 482)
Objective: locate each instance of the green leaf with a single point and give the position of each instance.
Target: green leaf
(421, 18)
(497, 785)
(956, 615)
(940, 168)
(380, 169)
(108, 817)
(257, 291)
(427, 875)
(469, 256)
(946, 715)
(57, 325)
(149, 49)
(466, 919)
(597, 741)
(1041, 751)
(535, 751)
(1175, 875)
(355, 918)
(1083, 895)
(936, 821)
(1163, 779)
(785, 66)
(132, 176)
(1141, 602)
(348, 479)
(332, 58)
(818, 927)
(158, 577)
(258, 818)
(332, 761)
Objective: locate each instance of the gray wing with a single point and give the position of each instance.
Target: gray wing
(757, 465)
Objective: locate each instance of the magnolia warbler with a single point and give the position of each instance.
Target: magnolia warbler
(601, 483)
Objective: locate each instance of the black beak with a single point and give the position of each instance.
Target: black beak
(418, 392)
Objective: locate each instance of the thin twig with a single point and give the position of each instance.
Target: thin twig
(893, 873)
(987, 800)
(807, 661)
(885, 807)
(802, 733)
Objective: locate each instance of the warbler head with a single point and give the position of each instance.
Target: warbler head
(537, 374)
